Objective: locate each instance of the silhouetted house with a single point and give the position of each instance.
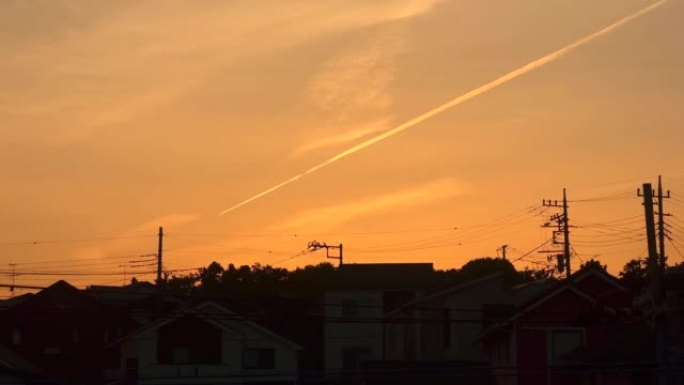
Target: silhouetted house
(434, 337)
(205, 344)
(60, 330)
(354, 311)
(553, 338)
(671, 319)
(15, 370)
(298, 319)
(446, 325)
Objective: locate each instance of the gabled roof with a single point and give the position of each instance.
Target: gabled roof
(594, 271)
(449, 291)
(571, 283)
(60, 295)
(11, 302)
(212, 313)
(560, 287)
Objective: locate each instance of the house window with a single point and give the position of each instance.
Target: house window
(52, 351)
(176, 345)
(350, 308)
(393, 336)
(261, 359)
(180, 356)
(352, 357)
(132, 368)
(16, 336)
(446, 329)
(564, 341)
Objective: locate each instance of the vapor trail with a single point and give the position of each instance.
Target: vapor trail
(529, 67)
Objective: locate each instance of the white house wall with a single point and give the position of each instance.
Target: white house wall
(144, 348)
(340, 335)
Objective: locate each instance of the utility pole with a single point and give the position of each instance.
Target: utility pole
(159, 255)
(653, 260)
(14, 276)
(563, 225)
(661, 222)
(124, 273)
(315, 245)
(503, 251)
(655, 269)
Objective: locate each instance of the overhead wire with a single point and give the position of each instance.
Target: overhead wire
(76, 240)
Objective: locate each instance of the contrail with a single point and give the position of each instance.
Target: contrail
(529, 67)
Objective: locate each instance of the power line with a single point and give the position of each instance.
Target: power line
(53, 241)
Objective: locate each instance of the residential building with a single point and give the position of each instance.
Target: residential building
(554, 337)
(61, 330)
(446, 325)
(354, 311)
(205, 344)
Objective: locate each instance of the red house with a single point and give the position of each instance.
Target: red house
(61, 330)
(568, 335)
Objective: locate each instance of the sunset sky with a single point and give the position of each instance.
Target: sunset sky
(119, 117)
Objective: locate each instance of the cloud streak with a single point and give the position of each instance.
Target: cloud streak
(352, 90)
(343, 137)
(332, 216)
(527, 68)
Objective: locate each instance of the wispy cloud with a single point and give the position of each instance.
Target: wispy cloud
(352, 90)
(332, 216)
(100, 70)
(350, 95)
(344, 137)
(175, 219)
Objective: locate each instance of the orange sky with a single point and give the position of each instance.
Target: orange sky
(117, 118)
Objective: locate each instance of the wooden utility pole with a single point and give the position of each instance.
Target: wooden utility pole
(503, 249)
(566, 235)
(124, 274)
(653, 264)
(14, 276)
(159, 255)
(563, 223)
(661, 223)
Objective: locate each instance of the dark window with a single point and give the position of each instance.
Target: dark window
(189, 340)
(131, 368)
(352, 357)
(180, 356)
(258, 359)
(350, 308)
(16, 336)
(446, 329)
(564, 341)
(52, 351)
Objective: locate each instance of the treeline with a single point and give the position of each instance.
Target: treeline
(310, 281)
(313, 280)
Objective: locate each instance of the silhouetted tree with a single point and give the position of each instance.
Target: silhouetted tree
(527, 274)
(481, 267)
(183, 285)
(312, 278)
(210, 277)
(593, 263)
(634, 275)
